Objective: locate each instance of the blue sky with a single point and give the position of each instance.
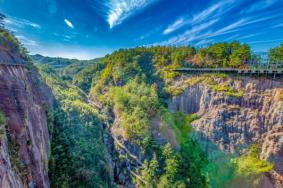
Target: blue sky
(87, 29)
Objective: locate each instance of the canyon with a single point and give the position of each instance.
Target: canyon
(231, 114)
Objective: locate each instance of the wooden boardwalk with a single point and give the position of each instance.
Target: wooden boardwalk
(278, 71)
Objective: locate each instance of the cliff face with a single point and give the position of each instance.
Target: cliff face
(233, 123)
(24, 140)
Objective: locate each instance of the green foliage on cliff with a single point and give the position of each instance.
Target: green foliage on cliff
(135, 103)
(250, 164)
(77, 156)
(2, 124)
(11, 43)
(2, 118)
(227, 90)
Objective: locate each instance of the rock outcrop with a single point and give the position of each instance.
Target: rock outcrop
(233, 123)
(24, 140)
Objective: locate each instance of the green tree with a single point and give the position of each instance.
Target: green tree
(275, 55)
(171, 165)
(240, 55)
(150, 173)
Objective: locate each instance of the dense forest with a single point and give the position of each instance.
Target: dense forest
(77, 155)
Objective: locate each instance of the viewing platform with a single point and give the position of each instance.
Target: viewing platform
(255, 71)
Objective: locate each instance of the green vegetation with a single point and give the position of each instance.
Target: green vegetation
(135, 103)
(8, 41)
(275, 55)
(180, 123)
(83, 79)
(227, 90)
(173, 169)
(250, 164)
(215, 82)
(223, 54)
(67, 69)
(2, 119)
(11, 43)
(77, 157)
(2, 124)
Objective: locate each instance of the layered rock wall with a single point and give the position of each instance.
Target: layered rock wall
(230, 123)
(24, 140)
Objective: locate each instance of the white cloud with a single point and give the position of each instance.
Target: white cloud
(213, 11)
(119, 10)
(26, 41)
(278, 25)
(176, 25)
(260, 5)
(266, 41)
(204, 31)
(191, 34)
(19, 22)
(69, 23)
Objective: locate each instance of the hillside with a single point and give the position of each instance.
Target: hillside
(66, 68)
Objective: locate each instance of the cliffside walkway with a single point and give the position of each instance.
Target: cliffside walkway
(12, 64)
(253, 72)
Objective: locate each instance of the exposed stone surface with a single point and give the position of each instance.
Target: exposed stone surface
(125, 156)
(233, 123)
(24, 146)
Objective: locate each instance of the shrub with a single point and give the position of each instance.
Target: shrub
(2, 124)
(250, 164)
(2, 119)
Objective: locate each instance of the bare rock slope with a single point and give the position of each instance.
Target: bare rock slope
(24, 137)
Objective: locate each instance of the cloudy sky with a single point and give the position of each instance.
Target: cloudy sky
(87, 29)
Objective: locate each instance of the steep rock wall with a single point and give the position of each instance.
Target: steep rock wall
(233, 123)
(24, 143)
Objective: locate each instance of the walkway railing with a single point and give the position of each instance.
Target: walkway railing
(278, 71)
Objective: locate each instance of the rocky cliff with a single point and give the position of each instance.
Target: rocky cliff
(235, 113)
(24, 135)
